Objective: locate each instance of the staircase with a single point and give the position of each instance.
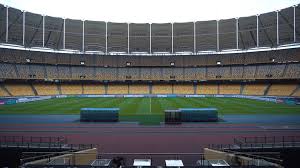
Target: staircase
(33, 89)
(106, 88)
(58, 88)
(267, 89)
(242, 88)
(296, 89)
(150, 88)
(82, 89)
(5, 90)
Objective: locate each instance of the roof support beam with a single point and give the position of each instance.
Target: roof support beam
(257, 31)
(237, 32)
(295, 24)
(83, 36)
(105, 37)
(218, 43)
(172, 51)
(150, 40)
(24, 20)
(43, 31)
(195, 38)
(277, 28)
(64, 37)
(60, 36)
(128, 40)
(6, 36)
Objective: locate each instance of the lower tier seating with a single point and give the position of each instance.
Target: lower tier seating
(162, 89)
(71, 88)
(46, 89)
(19, 89)
(207, 89)
(139, 89)
(259, 89)
(93, 89)
(297, 93)
(229, 89)
(281, 89)
(183, 89)
(254, 89)
(117, 89)
(3, 93)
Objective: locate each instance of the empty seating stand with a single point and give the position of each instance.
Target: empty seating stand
(20, 89)
(254, 89)
(281, 89)
(46, 89)
(71, 88)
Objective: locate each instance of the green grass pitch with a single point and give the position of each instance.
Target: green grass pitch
(149, 110)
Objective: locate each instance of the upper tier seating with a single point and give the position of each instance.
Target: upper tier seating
(33, 71)
(7, 71)
(292, 71)
(36, 57)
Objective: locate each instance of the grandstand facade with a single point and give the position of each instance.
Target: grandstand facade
(252, 61)
(32, 30)
(44, 55)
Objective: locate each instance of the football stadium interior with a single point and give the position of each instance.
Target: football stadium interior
(81, 93)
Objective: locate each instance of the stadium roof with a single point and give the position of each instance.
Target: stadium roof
(146, 11)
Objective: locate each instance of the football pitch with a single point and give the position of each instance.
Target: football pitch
(149, 110)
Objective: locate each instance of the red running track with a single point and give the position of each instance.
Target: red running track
(132, 138)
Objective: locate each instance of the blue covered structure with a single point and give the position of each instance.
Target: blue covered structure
(191, 115)
(198, 114)
(99, 114)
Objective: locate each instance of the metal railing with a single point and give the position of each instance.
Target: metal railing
(267, 142)
(33, 156)
(31, 139)
(127, 159)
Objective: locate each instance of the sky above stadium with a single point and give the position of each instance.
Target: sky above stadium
(150, 11)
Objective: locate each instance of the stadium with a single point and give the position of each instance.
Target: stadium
(82, 93)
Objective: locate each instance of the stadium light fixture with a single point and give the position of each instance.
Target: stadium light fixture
(219, 62)
(172, 63)
(82, 62)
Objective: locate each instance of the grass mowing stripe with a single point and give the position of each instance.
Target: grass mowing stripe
(135, 106)
(143, 107)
